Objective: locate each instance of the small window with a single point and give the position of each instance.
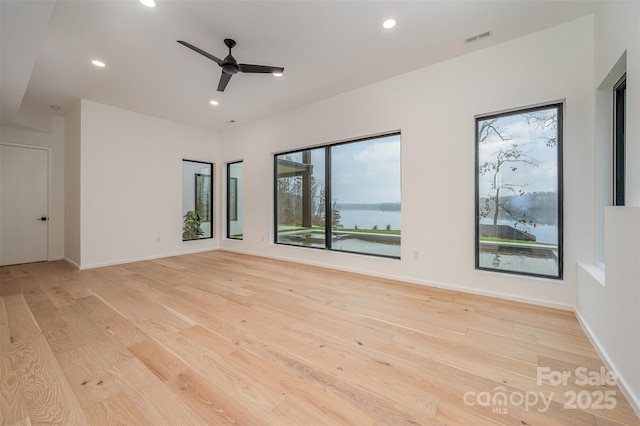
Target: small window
(619, 130)
(342, 197)
(234, 200)
(197, 200)
(519, 192)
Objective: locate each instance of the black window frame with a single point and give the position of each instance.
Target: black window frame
(619, 141)
(228, 215)
(328, 207)
(211, 195)
(560, 136)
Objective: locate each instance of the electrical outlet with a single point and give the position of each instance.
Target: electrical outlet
(158, 239)
(416, 255)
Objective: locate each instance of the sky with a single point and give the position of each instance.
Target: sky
(530, 139)
(367, 171)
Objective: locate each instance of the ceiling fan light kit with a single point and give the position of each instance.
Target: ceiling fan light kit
(230, 66)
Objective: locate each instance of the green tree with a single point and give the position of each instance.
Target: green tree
(335, 216)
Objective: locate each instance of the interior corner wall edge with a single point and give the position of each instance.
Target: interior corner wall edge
(435, 108)
(610, 312)
(610, 308)
(131, 184)
(72, 186)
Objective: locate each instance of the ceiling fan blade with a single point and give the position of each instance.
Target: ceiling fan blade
(259, 68)
(202, 52)
(224, 80)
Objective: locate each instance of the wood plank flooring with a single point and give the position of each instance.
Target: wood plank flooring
(224, 338)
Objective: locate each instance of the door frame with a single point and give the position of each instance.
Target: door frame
(49, 186)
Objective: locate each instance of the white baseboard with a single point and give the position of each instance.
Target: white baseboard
(435, 284)
(634, 400)
(71, 262)
(141, 259)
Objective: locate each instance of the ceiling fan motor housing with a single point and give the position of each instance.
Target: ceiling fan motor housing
(230, 65)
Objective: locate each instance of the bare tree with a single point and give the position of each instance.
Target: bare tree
(545, 119)
(507, 156)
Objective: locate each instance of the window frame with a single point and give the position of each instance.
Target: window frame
(619, 141)
(275, 194)
(327, 207)
(559, 106)
(228, 207)
(211, 195)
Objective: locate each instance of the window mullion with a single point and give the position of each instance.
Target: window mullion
(328, 215)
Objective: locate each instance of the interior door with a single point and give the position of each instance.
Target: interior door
(24, 181)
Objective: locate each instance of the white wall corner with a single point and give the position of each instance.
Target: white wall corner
(623, 383)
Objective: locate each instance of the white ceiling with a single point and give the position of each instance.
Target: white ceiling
(326, 47)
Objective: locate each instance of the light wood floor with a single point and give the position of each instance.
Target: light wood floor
(218, 338)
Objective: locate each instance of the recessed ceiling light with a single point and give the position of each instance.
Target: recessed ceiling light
(213, 102)
(277, 74)
(98, 63)
(148, 3)
(389, 23)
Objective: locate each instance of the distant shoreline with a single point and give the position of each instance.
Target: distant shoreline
(385, 207)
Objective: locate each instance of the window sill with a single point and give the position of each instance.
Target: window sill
(596, 271)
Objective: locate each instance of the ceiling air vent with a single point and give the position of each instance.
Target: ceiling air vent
(477, 37)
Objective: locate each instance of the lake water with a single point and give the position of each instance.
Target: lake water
(543, 233)
(358, 245)
(367, 219)
(539, 264)
(384, 245)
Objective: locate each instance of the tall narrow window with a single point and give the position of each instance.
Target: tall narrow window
(343, 197)
(519, 192)
(197, 200)
(235, 205)
(619, 130)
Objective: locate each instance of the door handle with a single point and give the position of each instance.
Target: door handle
(43, 219)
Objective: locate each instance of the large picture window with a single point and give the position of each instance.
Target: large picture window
(343, 197)
(519, 192)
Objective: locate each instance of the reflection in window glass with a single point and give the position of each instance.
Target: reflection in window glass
(365, 196)
(300, 198)
(518, 192)
(357, 211)
(197, 196)
(235, 200)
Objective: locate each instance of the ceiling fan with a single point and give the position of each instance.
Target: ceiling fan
(230, 66)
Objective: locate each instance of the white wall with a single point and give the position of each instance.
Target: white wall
(435, 108)
(54, 141)
(131, 184)
(608, 296)
(617, 32)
